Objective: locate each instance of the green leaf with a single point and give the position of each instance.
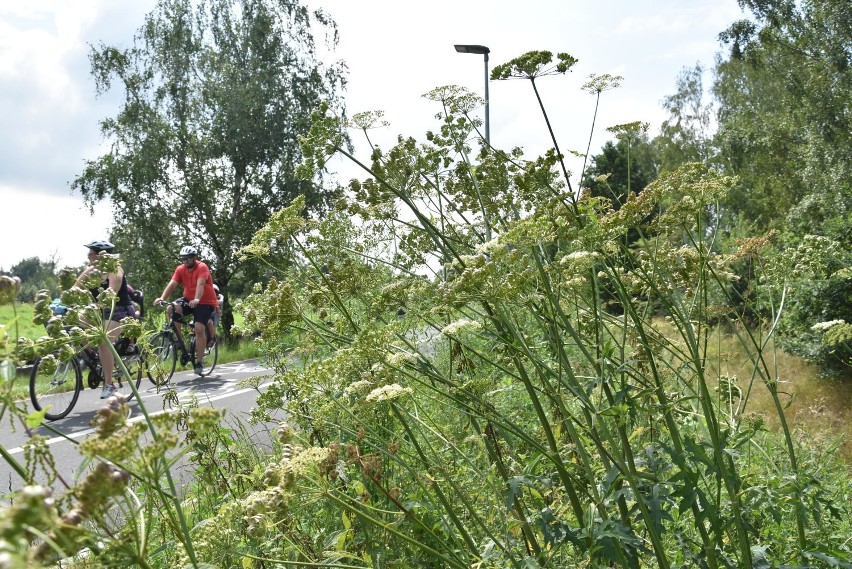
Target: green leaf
(36, 418)
(830, 559)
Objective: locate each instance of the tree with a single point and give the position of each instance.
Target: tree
(785, 115)
(35, 275)
(205, 146)
(785, 129)
(685, 135)
(622, 167)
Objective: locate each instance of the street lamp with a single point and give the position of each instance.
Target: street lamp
(480, 49)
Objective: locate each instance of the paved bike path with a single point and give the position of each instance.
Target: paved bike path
(220, 389)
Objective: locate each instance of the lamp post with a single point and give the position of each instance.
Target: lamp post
(484, 51)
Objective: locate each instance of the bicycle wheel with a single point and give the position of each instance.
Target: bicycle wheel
(210, 357)
(57, 391)
(133, 363)
(161, 358)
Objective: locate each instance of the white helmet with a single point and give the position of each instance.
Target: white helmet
(188, 251)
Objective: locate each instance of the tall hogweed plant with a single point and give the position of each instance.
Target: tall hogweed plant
(489, 376)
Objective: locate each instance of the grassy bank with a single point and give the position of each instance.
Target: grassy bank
(817, 404)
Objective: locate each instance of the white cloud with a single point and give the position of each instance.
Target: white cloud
(34, 226)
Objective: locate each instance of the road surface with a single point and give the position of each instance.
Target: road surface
(220, 389)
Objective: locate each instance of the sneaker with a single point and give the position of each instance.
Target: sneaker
(108, 391)
(199, 370)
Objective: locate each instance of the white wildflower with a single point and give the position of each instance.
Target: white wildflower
(357, 387)
(310, 457)
(400, 358)
(459, 326)
(388, 393)
(578, 256)
(579, 261)
(823, 326)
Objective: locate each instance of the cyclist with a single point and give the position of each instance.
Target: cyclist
(112, 315)
(198, 296)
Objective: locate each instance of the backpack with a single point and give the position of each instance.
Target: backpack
(57, 308)
(137, 297)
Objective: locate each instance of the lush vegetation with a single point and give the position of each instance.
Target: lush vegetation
(496, 370)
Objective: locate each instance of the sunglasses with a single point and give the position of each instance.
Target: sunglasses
(185, 259)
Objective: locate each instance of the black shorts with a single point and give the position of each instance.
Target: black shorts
(120, 312)
(203, 312)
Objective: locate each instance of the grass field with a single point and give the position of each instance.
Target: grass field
(17, 321)
(821, 405)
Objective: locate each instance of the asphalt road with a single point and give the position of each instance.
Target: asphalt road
(219, 390)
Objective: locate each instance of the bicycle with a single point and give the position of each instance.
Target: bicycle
(56, 392)
(166, 345)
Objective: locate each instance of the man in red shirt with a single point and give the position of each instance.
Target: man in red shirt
(198, 295)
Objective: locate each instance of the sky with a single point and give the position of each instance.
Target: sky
(396, 52)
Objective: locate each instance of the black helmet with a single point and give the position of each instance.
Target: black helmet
(98, 246)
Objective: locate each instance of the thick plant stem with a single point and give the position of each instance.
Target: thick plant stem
(555, 144)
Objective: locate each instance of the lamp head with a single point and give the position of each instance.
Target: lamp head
(467, 48)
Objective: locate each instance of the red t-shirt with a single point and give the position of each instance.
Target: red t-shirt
(188, 279)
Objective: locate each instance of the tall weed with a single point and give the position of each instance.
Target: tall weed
(506, 383)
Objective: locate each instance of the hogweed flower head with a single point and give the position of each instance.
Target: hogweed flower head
(75, 296)
(822, 326)
(367, 120)
(388, 393)
(455, 329)
(9, 289)
(107, 262)
(67, 276)
(533, 64)
(285, 433)
(629, 130)
(458, 100)
(356, 387)
(600, 83)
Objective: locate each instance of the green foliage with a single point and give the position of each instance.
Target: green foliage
(462, 397)
(783, 112)
(626, 166)
(784, 121)
(205, 147)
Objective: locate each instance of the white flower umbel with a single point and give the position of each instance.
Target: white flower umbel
(359, 386)
(823, 326)
(401, 358)
(388, 393)
(459, 326)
